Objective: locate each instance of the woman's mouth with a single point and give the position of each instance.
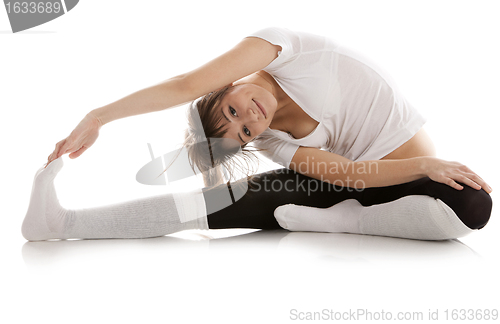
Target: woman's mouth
(260, 108)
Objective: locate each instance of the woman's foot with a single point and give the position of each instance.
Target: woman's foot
(45, 218)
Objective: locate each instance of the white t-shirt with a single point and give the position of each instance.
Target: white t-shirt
(361, 113)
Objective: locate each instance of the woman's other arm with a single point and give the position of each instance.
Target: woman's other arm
(338, 170)
(248, 56)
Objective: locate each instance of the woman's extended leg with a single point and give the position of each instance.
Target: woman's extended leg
(139, 218)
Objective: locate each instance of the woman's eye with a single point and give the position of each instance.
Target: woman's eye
(232, 111)
(246, 131)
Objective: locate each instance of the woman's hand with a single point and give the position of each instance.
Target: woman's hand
(80, 139)
(449, 172)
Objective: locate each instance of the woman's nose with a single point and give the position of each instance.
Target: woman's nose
(251, 115)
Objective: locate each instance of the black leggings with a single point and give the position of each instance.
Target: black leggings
(269, 190)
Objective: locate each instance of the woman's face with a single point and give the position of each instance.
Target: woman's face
(247, 110)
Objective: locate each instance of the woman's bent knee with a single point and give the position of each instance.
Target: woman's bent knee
(486, 204)
(478, 207)
(472, 206)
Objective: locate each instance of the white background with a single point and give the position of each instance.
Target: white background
(444, 57)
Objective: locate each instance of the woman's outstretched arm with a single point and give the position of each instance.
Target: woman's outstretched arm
(338, 170)
(248, 56)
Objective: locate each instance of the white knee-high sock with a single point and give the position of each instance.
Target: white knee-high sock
(140, 218)
(414, 217)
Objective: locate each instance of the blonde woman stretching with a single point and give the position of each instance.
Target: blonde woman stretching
(330, 116)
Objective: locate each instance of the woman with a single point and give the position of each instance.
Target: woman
(291, 93)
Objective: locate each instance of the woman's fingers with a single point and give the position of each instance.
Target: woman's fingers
(76, 154)
(450, 173)
(80, 139)
(468, 181)
(478, 179)
(450, 182)
(54, 154)
(63, 148)
(60, 146)
(482, 183)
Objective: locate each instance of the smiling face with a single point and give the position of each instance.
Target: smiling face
(246, 110)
